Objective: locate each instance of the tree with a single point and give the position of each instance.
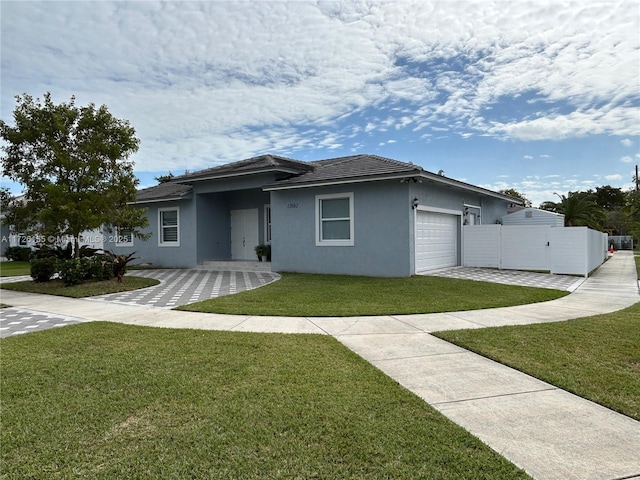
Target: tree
(73, 163)
(631, 209)
(579, 209)
(164, 178)
(514, 193)
(610, 198)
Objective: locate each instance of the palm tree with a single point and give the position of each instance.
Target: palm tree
(580, 209)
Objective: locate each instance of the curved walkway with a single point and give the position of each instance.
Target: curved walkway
(546, 431)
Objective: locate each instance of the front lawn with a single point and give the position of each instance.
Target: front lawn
(12, 269)
(595, 357)
(305, 295)
(103, 401)
(86, 289)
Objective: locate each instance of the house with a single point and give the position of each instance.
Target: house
(534, 216)
(357, 215)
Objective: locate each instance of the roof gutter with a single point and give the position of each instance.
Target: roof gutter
(467, 186)
(398, 176)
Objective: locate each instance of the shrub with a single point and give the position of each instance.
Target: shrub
(100, 267)
(74, 271)
(18, 254)
(120, 263)
(42, 269)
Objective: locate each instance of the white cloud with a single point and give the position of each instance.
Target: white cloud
(528, 157)
(626, 159)
(626, 142)
(614, 177)
(209, 82)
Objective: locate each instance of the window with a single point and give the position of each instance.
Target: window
(168, 227)
(334, 220)
(267, 224)
(124, 237)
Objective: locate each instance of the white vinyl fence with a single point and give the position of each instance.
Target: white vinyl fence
(562, 250)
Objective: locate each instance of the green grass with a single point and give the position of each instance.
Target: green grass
(105, 401)
(11, 269)
(595, 357)
(86, 289)
(306, 295)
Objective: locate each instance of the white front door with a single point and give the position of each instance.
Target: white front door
(244, 234)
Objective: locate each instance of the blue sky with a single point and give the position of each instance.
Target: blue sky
(538, 96)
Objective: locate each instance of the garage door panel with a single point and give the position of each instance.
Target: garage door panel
(436, 240)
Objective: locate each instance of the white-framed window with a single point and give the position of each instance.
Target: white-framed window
(334, 220)
(124, 237)
(169, 227)
(267, 224)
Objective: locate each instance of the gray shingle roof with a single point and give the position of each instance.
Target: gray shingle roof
(333, 170)
(250, 165)
(349, 168)
(168, 190)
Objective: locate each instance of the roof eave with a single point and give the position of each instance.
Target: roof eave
(343, 181)
(164, 199)
(467, 186)
(238, 174)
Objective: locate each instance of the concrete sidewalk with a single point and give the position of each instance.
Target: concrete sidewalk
(546, 431)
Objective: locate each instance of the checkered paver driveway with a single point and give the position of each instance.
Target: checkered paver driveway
(182, 286)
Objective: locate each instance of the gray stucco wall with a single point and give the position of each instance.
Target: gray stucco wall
(149, 251)
(214, 222)
(213, 231)
(382, 216)
(435, 195)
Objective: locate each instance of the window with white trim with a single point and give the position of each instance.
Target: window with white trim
(334, 220)
(267, 224)
(124, 237)
(168, 227)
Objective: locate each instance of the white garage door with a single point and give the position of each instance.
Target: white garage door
(436, 240)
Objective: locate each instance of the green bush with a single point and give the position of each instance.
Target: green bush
(45, 251)
(42, 269)
(100, 267)
(74, 271)
(18, 254)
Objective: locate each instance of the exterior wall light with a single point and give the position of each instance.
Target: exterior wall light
(415, 203)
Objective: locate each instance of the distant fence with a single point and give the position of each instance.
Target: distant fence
(561, 250)
(621, 242)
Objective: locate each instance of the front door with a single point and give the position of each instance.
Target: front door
(244, 234)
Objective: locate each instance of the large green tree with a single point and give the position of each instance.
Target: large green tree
(631, 209)
(579, 209)
(514, 193)
(73, 163)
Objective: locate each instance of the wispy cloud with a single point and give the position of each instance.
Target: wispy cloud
(209, 82)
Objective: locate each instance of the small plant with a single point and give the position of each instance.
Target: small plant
(43, 269)
(120, 263)
(263, 250)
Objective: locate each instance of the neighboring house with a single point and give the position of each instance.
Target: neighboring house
(357, 215)
(534, 216)
(9, 237)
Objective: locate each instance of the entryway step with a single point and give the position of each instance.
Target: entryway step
(235, 266)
